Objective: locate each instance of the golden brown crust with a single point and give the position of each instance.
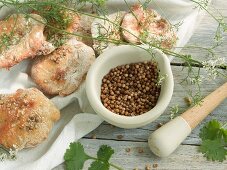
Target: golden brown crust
(102, 27)
(62, 72)
(26, 39)
(26, 118)
(84, 29)
(149, 25)
(79, 24)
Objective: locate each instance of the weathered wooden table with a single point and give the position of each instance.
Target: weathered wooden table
(187, 155)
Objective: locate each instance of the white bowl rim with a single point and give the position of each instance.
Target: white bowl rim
(120, 120)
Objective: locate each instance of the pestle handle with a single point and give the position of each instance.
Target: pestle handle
(196, 114)
(167, 138)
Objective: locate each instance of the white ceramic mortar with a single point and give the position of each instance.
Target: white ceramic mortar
(121, 55)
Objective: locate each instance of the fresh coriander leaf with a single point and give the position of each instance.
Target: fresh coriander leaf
(210, 131)
(104, 153)
(75, 156)
(213, 150)
(224, 134)
(214, 141)
(98, 165)
(213, 130)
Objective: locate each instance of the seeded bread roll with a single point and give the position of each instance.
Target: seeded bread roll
(63, 71)
(25, 39)
(26, 118)
(149, 25)
(105, 28)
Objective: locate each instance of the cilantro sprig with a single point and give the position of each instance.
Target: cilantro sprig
(214, 141)
(75, 157)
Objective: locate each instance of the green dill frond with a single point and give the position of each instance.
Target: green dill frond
(58, 18)
(55, 15)
(8, 37)
(5, 41)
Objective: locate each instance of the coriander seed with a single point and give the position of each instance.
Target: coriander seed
(131, 89)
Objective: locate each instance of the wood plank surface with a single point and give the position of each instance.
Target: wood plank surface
(107, 131)
(187, 155)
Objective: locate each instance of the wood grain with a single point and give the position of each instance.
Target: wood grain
(187, 155)
(109, 132)
(196, 114)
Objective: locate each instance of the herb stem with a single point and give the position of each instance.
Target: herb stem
(131, 11)
(96, 159)
(187, 60)
(166, 51)
(204, 8)
(116, 167)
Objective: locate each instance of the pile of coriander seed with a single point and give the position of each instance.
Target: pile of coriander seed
(131, 89)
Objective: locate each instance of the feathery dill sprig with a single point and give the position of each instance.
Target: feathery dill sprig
(193, 77)
(5, 41)
(216, 15)
(8, 37)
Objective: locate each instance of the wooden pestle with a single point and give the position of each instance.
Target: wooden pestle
(167, 138)
(196, 114)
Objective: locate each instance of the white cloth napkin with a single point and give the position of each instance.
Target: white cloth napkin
(77, 117)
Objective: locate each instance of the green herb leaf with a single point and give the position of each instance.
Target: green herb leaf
(97, 165)
(104, 153)
(75, 156)
(213, 150)
(214, 140)
(213, 130)
(224, 133)
(210, 131)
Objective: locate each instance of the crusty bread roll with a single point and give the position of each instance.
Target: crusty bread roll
(146, 24)
(108, 28)
(26, 118)
(62, 72)
(25, 39)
